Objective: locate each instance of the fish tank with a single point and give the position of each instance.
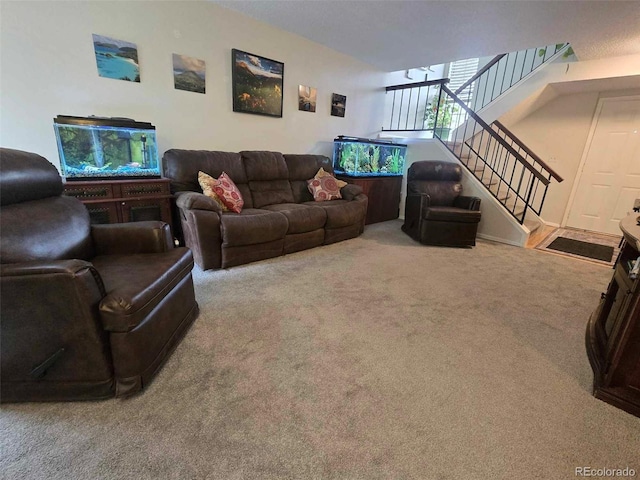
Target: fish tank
(99, 148)
(364, 157)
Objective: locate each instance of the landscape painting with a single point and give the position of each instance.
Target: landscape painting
(116, 58)
(188, 73)
(307, 98)
(338, 105)
(257, 84)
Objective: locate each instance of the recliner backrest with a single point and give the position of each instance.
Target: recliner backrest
(440, 180)
(36, 221)
(268, 177)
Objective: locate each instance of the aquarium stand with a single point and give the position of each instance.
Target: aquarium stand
(121, 201)
(383, 194)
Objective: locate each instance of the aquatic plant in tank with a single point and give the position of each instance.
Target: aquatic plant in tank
(363, 157)
(106, 148)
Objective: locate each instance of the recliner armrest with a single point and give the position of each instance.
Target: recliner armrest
(468, 203)
(131, 238)
(196, 201)
(350, 191)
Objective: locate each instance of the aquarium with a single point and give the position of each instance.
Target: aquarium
(106, 148)
(362, 157)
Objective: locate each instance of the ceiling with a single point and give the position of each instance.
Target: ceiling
(396, 35)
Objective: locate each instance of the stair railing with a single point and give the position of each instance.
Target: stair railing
(504, 71)
(493, 158)
(412, 106)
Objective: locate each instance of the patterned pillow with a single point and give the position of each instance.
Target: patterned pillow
(206, 183)
(321, 173)
(228, 193)
(324, 188)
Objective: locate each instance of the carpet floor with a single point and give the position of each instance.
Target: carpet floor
(374, 358)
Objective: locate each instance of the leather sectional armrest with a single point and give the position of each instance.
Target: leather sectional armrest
(132, 238)
(44, 267)
(350, 191)
(468, 203)
(196, 201)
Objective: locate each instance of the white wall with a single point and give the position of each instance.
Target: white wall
(558, 133)
(48, 67)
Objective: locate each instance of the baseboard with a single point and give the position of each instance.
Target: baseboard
(499, 240)
(551, 224)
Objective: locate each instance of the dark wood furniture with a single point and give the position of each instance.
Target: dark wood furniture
(613, 331)
(121, 201)
(383, 194)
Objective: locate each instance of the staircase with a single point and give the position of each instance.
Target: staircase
(513, 174)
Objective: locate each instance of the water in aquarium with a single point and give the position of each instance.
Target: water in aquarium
(362, 157)
(103, 148)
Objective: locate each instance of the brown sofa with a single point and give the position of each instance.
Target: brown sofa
(279, 216)
(87, 311)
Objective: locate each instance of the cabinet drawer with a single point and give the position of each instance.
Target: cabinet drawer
(88, 192)
(144, 189)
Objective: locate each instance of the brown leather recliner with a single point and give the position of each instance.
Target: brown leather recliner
(87, 311)
(435, 211)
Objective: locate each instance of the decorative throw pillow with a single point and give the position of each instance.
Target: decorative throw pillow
(321, 173)
(228, 192)
(324, 188)
(206, 183)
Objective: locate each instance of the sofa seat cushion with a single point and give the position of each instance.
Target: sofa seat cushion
(136, 284)
(301, 218)
(451, 214)
(252, 226)
(340, 213)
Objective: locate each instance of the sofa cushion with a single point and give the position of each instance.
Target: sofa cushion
(341, 213)
(136, 284)
(228, 193)
(451, 214)
(302, 168)
(182, 167)
(252, 226)
(301, 218)
(268, 178)
(324, 188)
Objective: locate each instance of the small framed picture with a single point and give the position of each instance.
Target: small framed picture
(188, 73)
(307, 98)
(338, 105)
(257, 84)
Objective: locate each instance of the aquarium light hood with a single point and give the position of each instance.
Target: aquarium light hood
(93, 120)
(345, 138)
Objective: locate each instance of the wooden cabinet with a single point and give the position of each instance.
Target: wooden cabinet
(120, 201)
(383, 194)
(613, 331)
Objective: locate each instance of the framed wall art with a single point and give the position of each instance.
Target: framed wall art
(116, 58)
(189, 73)
(307, 98)
(338, 105)
(257, 84)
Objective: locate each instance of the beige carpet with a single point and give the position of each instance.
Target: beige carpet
(374, 358)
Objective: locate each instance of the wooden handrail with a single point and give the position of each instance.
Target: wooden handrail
(521, 144)
(497, 137)
(428, 83)
(493, 61)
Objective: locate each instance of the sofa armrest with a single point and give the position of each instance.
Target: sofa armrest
(196, 201)
(468, 203)
(132, 238)
(350, 191)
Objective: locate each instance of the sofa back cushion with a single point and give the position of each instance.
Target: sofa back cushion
(302, 168)
(268, 178)
(182, 167)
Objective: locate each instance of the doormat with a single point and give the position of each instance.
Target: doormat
(594, 247)
(584, 249)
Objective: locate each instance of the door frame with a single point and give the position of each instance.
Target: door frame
(587, 148)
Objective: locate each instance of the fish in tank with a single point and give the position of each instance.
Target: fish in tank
(106, 148)
(363, 157)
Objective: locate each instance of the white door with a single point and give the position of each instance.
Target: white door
(610, 179)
